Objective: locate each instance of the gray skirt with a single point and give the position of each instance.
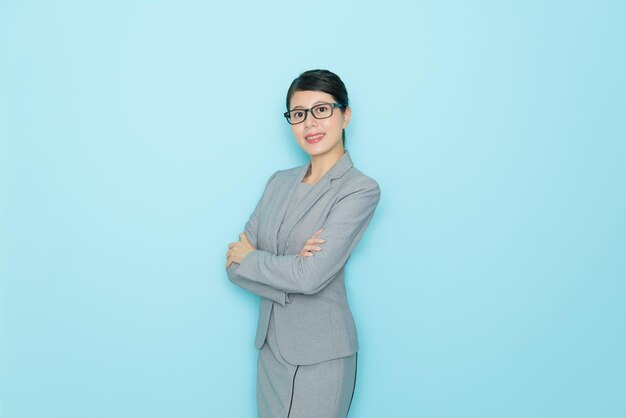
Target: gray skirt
(321, 390)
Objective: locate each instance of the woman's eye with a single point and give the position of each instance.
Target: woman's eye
(297, 115)
(321, 109)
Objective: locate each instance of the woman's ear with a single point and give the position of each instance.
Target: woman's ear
(347, 114)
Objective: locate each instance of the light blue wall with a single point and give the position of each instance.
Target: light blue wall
(137, 136)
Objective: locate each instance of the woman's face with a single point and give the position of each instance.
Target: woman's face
(319, 136)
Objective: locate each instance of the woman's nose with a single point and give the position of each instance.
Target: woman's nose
(310, 120)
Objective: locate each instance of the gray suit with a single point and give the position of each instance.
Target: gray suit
(307, 294)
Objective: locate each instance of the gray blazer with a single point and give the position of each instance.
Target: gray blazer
(307, 294)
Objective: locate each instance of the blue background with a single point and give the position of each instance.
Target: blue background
(136, 138)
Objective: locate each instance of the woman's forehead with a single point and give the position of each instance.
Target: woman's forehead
(308, 98)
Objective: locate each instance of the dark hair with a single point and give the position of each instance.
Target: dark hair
(324, 81)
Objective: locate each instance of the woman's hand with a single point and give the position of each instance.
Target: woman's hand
(237, 251)
(312, 244)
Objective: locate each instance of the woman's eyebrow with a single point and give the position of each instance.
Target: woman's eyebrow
(314, 104)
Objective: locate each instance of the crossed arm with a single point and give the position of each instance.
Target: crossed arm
(237, 251)
(273, 276)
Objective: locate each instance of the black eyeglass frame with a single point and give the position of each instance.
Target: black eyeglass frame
(306, 112)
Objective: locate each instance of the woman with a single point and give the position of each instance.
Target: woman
(293, 252)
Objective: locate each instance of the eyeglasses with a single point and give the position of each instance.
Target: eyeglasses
(320, 111)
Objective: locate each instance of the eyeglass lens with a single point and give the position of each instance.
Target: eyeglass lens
(320, 111)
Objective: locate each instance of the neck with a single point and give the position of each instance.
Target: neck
(320, 164)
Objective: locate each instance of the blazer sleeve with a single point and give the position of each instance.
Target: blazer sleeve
(258, 288)
(343, 229)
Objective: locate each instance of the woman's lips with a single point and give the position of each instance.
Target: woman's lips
(313, 138)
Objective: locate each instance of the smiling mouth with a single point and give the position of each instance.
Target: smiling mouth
(313, 138)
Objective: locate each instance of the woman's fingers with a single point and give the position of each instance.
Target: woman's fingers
(229, 253)
(308, 250)
(312, 245)
(228, 262)
(237, 251)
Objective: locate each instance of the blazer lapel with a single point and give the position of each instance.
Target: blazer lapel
(279, 206)
(289, 220)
